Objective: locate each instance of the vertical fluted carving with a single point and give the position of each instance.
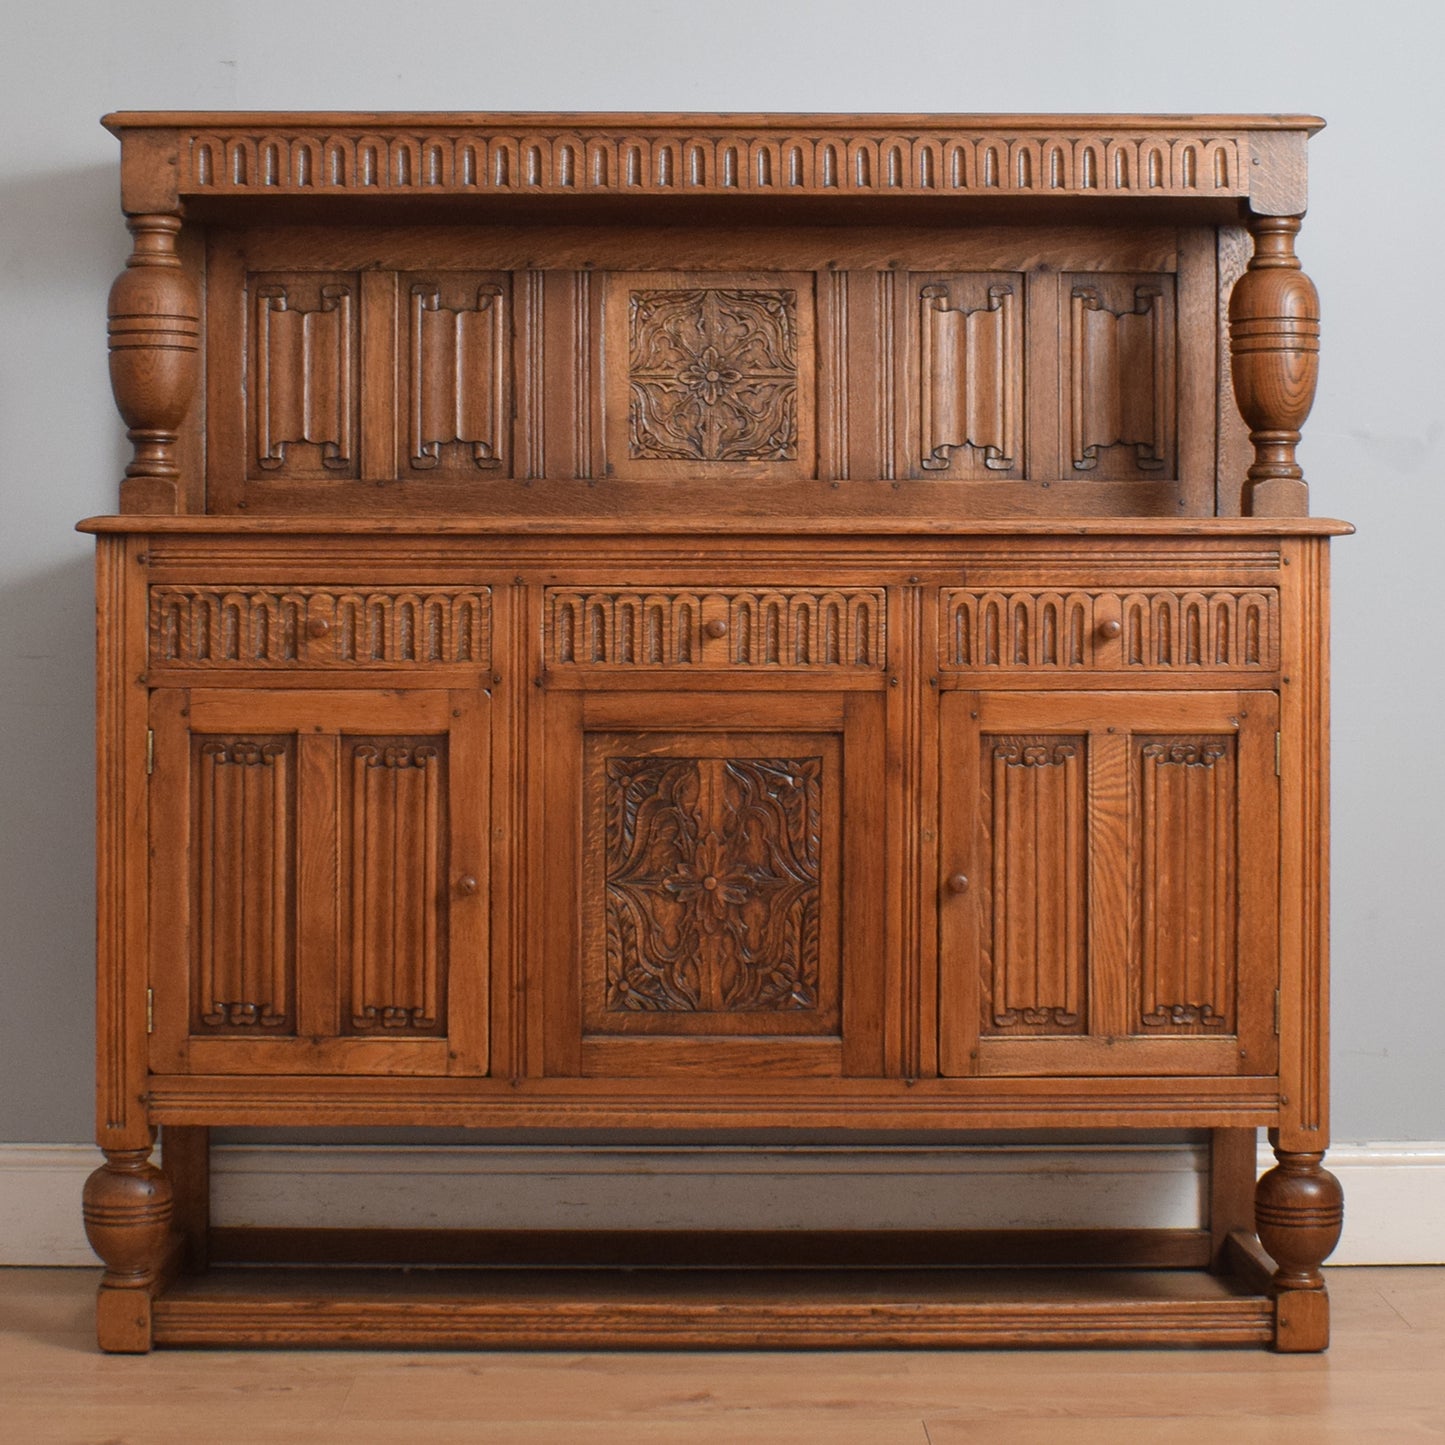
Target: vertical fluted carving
(154, 332)
(1274, 332)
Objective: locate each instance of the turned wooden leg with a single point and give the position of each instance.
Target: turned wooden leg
(127, 1207)
(1298, 1211)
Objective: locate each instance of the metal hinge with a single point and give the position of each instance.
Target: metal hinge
(1278, 747)
(150, 751)
(1276, 1011)
(151, 1010)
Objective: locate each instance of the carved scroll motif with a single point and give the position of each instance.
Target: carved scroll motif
(968, 385)
(713, 375)
(1122, 377)
(1187, 859)
(245, 838)
(458, 367)
(394, 909)
(1038, 885)
(712, 884)
(304, 382)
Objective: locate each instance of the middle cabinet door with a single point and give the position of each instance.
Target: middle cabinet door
(712, 884)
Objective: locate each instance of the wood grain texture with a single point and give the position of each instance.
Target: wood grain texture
(714, 623)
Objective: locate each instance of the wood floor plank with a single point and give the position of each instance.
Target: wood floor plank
(1380, 1382)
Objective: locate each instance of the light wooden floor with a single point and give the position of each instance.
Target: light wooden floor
(1383, 1380)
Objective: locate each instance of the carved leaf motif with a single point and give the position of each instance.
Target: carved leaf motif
(713, 375)
(713, 883)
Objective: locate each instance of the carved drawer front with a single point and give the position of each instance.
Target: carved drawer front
(787, 627)
(324, 627)
(1227, 629)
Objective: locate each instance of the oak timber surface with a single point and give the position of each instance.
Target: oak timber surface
(1379, 1383)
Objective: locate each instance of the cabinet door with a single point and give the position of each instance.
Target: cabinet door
(1109, 898)
(712, 893)
(319, 882)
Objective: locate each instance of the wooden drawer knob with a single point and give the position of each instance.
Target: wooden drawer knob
(1112, 628)
(466, 885)
(957, 883)
(317, 627)
(716, 628)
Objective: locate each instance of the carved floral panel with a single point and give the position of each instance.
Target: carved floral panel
(710, 372)
(712, 884)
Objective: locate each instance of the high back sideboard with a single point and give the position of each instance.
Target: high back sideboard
(711, 623)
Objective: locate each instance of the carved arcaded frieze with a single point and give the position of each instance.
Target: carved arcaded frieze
(1187, 870)
(1121, 369)
(208, 627)
(828, 161)
(457, 385)
(785, 627)
(970, 375)
(304, 354)
(1223, 629)
(1036, 885)
(713, 375)
(243, 866)
(712, 884)
(393, 867)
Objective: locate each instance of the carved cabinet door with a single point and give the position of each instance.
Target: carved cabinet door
(1110, 882)
(712, 892)
(319, 882)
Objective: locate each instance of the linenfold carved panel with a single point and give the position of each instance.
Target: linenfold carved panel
(1121, 366)
(393, 894)
(970, 374)
(319, 627)
(712, 884)
(458, 338)
(304, 352)
(785, 627)
(243, 846)
(566, 161)
(709, 371)
(1224, 630)
(1036, 885)
(1186, 883)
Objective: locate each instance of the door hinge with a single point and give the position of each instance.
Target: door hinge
(151, 1010)
(1278, 750)
(150, 751)
(1276, 1011)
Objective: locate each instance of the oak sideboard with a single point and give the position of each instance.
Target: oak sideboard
(713, 623)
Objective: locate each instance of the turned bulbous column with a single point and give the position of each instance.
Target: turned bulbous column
(154, 333)
(127, 1207)
(1299, 1210)
(1274, 334)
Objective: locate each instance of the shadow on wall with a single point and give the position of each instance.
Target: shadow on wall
(62, 240)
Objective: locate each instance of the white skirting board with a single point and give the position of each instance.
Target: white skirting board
(1394, 1192)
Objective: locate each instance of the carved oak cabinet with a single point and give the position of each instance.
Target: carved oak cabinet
(712, 623)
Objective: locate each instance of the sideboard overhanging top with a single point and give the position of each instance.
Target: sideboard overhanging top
(181, 155)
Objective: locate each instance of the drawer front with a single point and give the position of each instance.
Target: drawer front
(319, 627)
(810, 629)
(1223, 629)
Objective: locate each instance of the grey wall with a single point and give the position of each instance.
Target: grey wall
(1373, 449)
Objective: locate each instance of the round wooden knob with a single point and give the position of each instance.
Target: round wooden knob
(317, 627)
(958, 883)
(716, 628)
(466, 885)
(1112, 628)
